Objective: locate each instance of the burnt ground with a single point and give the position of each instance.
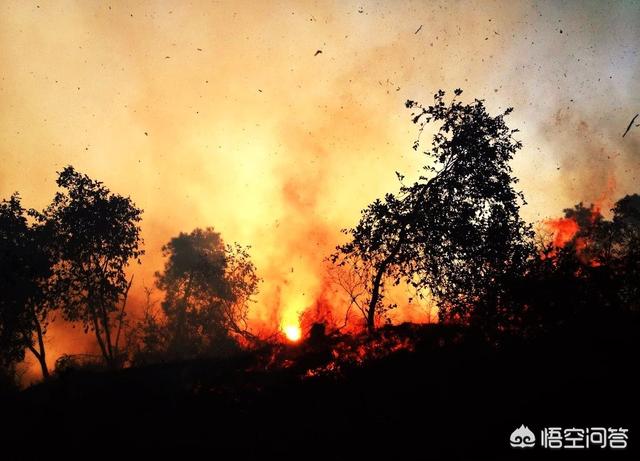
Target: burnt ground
(449, 395)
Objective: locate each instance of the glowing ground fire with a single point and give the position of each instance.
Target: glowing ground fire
(292, 332)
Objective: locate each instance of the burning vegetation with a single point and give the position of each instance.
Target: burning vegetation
(453, 239)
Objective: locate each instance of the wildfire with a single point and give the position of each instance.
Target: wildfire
(576, 228)
(292, 332)
(564, 229)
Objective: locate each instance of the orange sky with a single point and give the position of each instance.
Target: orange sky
(221, 113)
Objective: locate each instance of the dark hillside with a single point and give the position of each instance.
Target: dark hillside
(445, 396)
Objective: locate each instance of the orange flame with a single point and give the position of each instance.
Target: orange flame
(563, 229)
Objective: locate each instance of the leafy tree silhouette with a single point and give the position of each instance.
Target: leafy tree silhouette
(626, 248)
(96, 234)
(594, 274)
(379, 250)
(27, 297)
(208, 286)
(456, 231)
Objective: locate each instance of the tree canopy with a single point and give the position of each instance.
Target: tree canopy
(208, 286)
(97, 234)
(594, 272)
(26, 263)
(456, 231)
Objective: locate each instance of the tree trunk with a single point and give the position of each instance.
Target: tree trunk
(41, 361)
(40, 352)
(96, 327)
(375, 297)
(180, 340)
(377, 283)
(121, 316)
(107, 334)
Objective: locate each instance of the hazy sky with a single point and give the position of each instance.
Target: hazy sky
(223, 113)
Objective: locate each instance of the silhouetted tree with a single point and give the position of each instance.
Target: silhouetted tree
(596, 272)
(26, 296)
(468, 225)
(593, 275)
(626, 248)
(379, 250)
(148, 335)
(456, 231)
(96, 236)
(208, 286)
